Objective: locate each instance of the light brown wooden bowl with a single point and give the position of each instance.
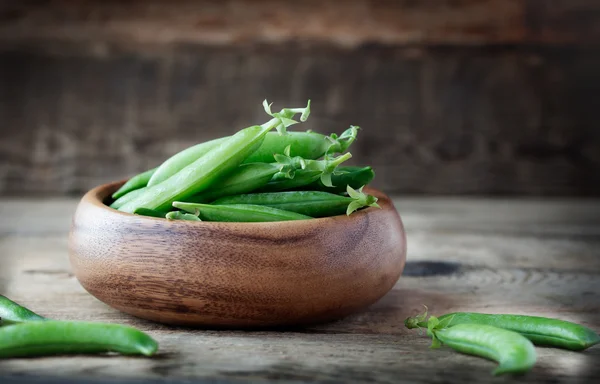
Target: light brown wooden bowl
(236, 274)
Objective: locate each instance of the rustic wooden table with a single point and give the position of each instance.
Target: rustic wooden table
(521, 256)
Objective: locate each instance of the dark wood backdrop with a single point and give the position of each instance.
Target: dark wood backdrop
(454, 96)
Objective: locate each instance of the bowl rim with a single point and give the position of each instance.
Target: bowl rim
(98, 194)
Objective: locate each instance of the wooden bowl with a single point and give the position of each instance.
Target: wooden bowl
(236, 274)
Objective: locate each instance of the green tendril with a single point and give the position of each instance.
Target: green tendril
(327, 166)
(330, 166)
(289, 165)
(285, 116)
(361, 200)
(340, 144)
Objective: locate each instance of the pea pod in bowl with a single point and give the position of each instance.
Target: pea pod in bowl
(310, 203)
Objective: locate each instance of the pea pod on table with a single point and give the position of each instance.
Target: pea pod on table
(540, 330)
(29, 334)
(513, 352)
(11, 312)
(42, 338)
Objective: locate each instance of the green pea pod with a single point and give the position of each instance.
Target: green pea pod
(355, 177)
(246, 178)
(280, 182)
(127, 198)
(242, 213)
(150, 212)
(11, 312)
(513, 352)
(43, 338)
(309, 203)
(204, 172)
(540, 330)
(304, 143)
(136, 182)
(182, 159)
(312, 171)
(307, 145)
(178, 215)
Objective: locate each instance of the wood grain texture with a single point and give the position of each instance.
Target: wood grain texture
(341, 22)
(236, 274)
(536, 257)
(440, 120)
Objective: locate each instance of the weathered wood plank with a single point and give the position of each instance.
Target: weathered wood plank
(461, 270)
(443, 120)
(344, 23)
(563, 21)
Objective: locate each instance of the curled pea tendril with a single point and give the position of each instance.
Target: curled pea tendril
(285, 116)
(339, 144)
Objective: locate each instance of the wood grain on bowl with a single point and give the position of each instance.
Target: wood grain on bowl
(236, 274)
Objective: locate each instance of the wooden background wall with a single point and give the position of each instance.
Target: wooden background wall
(454, 96)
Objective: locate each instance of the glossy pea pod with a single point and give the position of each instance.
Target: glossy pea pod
(305, 144)
(178, 215)
(127, 198)
(202, 173)
(309, 203)
(313, 171)
(11, 312)
(308, 145)
(63, 337)
(182, 159)
(540, 330)
(186, 157)
(150, 212)
(344, 176)
(513, 352)
(246, 178)
(215, 164)
(242, 213)
(136, 182)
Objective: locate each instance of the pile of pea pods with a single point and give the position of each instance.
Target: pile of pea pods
(505, 338)
(261, 173)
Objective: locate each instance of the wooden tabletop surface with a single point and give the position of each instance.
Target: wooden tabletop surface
(495, 256)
